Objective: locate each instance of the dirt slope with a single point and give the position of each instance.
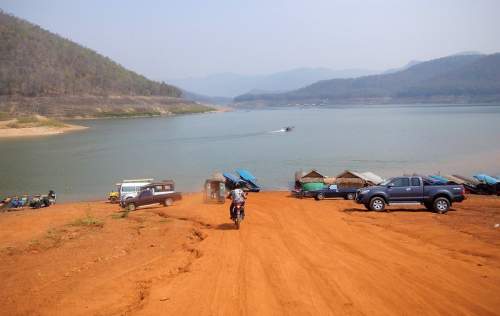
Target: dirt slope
(294, 257)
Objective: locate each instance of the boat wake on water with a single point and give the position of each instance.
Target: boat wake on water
(228, 136)
(283, 130)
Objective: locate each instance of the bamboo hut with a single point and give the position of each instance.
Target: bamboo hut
(311, 176)
(350, 179)
(353, 179)
(372, 178)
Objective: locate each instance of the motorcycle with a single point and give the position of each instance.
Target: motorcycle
(39, 201)
(239, 211)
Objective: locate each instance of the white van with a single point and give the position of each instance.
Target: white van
(130, 188)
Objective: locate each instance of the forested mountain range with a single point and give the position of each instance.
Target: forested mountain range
(459, 78)
(43, 73)
(35, 62)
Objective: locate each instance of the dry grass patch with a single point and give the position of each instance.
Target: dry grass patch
(88, 221)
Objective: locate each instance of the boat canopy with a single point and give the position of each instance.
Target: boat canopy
(246, 175)
(231, 177)
(439, 178)
(486, 179)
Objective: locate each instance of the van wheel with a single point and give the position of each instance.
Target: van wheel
(350, 196)
(320, 196)
(377, 204)
(131, 207)
(168, 202)
(441, 205)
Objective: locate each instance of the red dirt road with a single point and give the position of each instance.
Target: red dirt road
(293, 257)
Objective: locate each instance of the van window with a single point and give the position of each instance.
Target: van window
(159, 188)
(129, 189)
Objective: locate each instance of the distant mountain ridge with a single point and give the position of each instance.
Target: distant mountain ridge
(460, 78)
(231, 85)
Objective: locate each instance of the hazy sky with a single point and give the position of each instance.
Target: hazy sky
(172, 39)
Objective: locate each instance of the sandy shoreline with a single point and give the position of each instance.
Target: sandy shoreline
(39, 131)
(290, 257)
(6, 132)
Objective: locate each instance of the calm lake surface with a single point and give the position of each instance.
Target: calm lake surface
(386, 140)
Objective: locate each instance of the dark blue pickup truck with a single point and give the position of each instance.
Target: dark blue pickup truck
(413, 189)
(333, 191)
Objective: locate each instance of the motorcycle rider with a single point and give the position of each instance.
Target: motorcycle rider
(237, 195)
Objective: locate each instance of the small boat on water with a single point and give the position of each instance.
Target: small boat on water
(289, 128)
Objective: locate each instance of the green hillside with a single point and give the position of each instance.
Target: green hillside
(480, 78)
(35, 63)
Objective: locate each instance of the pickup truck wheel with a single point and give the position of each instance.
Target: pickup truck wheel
(320, 196)
(377, 204)
(350, 196)
(131, 207)
(168, 202)
(441, 205)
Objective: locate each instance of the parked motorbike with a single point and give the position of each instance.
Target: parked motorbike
(39, 202)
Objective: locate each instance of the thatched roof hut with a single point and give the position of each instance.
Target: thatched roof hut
(350, 179)
(354, 179)
(372, 178)
(311, 176)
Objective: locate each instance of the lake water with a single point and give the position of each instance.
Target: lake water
(386, 140)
